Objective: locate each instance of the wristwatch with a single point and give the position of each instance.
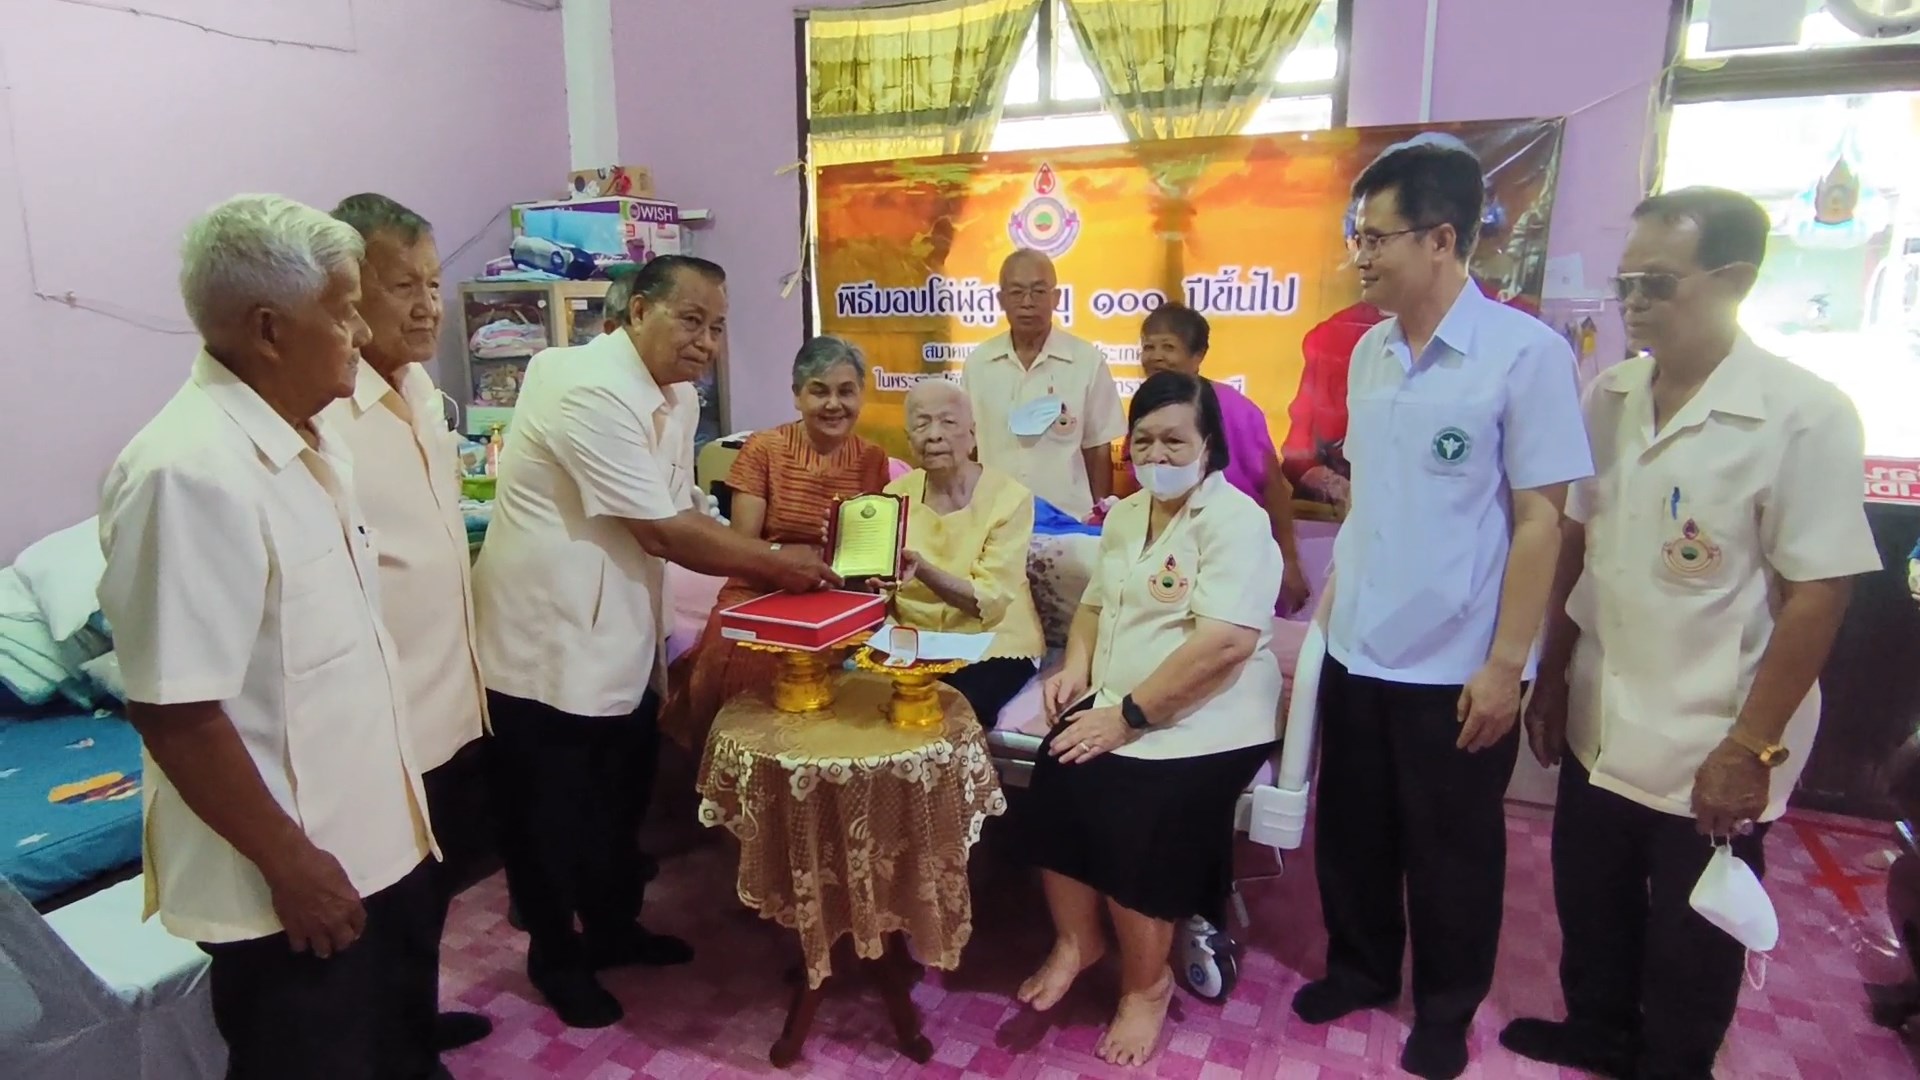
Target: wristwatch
(1131, 713)
(1772, 755)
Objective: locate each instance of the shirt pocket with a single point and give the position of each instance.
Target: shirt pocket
(322, 611)
(1455, 442)
(1695, 556)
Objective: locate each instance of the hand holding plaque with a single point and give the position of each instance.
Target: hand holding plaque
(865, 536)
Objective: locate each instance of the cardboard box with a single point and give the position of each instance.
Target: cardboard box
(629, 181)
(809, 621)
(637, 229)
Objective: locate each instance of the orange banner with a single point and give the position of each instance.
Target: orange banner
(1248, 231)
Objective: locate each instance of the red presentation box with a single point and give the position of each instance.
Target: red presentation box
(809, 621)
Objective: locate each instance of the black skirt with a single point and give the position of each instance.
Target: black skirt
(1154, 835)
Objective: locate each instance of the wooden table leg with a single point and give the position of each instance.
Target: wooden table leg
(895, 973)
(793, 1035)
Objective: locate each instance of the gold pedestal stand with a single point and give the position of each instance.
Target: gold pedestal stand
(805, 681)
(915, 705)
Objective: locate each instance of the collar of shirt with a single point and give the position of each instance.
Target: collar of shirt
(1455, 332)
(1729, 391)
(1051, 349)
(654, 398)
(276, 439)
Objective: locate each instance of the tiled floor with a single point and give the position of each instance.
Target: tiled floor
(718, 1017)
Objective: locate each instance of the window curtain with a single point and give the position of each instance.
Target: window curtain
(912, 80)
(1182, 69)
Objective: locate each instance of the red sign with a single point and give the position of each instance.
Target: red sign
(1893, 480)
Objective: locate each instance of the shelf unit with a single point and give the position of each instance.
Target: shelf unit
(504, 323)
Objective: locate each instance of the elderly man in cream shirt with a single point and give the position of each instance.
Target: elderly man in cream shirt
(408, 482)
(1706, 568)
(596, 496)
(286, 825)
(1044, 401)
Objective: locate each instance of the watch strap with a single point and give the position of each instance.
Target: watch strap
(1131, 712)
(1770, 754)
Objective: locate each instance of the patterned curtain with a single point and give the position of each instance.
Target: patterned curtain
(912, 80)
(1181, 69)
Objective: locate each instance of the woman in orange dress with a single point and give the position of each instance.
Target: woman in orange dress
(784, 483)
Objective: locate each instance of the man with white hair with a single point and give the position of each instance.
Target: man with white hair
(286, 826)
(1045, 400)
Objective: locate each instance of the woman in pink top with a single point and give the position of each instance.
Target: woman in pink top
(1174, 337)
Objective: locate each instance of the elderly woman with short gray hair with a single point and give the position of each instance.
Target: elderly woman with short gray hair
(784, 484)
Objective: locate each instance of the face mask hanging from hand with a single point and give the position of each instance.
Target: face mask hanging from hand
(1171, 481)
(1730, 896)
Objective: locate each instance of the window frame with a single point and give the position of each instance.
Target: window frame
(1048, 29)
(1806, 72)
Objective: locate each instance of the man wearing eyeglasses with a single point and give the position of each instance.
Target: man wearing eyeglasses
(1044, 401)
(1463, 432)
(1703, 576)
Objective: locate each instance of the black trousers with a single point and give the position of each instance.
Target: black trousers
(365, 1013)
(1410, 834)
(462, 825)
(570, 793)
(1637, 963)
(989, 684)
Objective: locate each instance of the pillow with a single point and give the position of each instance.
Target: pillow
(104, 673)
(1058, 570)
(30, 666)
(63, 572)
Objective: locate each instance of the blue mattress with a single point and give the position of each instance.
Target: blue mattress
(69, 800)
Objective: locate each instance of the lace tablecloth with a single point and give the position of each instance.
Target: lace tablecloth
(849, 826)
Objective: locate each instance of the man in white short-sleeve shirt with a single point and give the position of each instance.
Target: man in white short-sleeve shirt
(1044, 401)
(595, 496)
(286, 828)
(407, 477)
(1714, 552)
(1464, 432)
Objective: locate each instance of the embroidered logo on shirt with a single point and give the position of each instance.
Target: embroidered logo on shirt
(1451, 446)
(1691, 554)
(1168, 585)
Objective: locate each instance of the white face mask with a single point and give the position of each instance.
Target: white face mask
(1171, 481)
(1729, 896)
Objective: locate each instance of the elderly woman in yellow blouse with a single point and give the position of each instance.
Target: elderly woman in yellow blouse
(965, 567)
(1164, 711)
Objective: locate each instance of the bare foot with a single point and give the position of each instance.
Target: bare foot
(1136, 1025)
(1044, 989)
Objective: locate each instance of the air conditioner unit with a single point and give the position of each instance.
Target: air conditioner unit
(1877, 18)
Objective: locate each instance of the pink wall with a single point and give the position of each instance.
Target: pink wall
(714, 115)
(124, 127)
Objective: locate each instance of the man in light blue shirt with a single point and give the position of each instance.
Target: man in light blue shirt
(1464, 432)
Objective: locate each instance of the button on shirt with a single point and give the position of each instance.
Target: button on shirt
(408, 482)
(1051, 464)
(1689, 531)
(572, 610)
(1438, 444)
(239, 571)
(1216, 559)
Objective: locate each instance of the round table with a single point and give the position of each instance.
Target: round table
(852, 828)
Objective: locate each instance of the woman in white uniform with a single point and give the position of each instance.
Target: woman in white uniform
(1163, 713)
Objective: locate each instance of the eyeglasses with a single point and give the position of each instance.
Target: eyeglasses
(1031, 292)
(1370, 242)
(1655, 285)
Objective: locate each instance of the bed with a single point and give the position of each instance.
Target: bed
(69, 802)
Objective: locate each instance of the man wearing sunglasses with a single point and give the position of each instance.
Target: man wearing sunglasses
(1463, 432)
(1703, 575)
